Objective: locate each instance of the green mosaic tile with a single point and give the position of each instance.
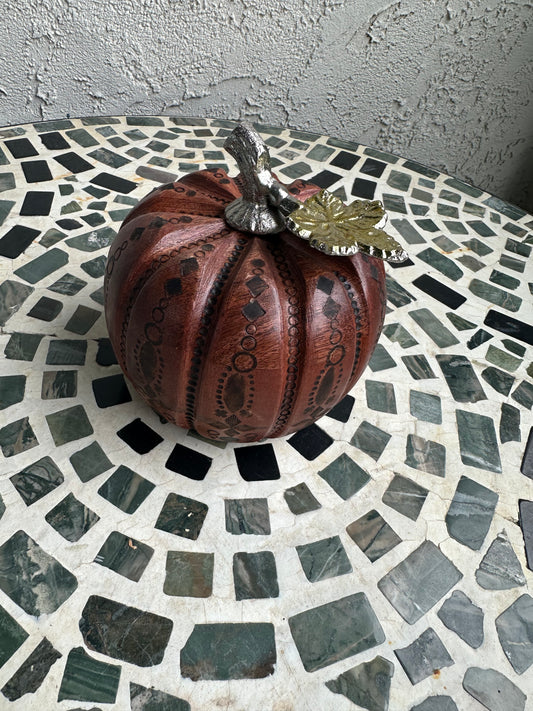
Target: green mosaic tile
(82, 320)
(477, 441)
(439, 261)
(300, 499)
(95, 267)
(7, 182)
(505, 280)
(517, 265)
(367, 685)
(144, 699)
(12, 636)
(90, 461)
(514, 347)
(470, 513)
(501, 381)
(523, 394)
(461, 378)
(405, 496)
(380, 155)
(473, 209)
(394, 203)
(445, 244)
(32, 578)
(470, 262)
(59, 384)
(222, 651)
(373, 535)
(447, 210)
(12, 296)
(70, 207)
(182, 516)
(37, 480)
(69, 425)
(434, 328)
(425, 407)
(71, 519)
(380, 396)
(380, 360)
(502, 359)
(370, 439)
(93, 219)
(397, 294)
(136, 153)
(22, 346)
(255, 575)
(396, 333)
(344, 476)
(189, 574)
(296, 170)
(427, 225)
(485, 291)
(418, 367)
(335, 631)
(425, 455)
(124, 555)
(5, 209)
(419, 209)
(464, 187)
(91, 241)
(323, 559)
(398, 180)
(126, 489)
(32, 673)
(460, 323)
(511, 211)
(17, 437)
(12, 389)
(450, 196)
(87, 679)
(509, 430)
(320, 153)
(456, 228)
(247, 516)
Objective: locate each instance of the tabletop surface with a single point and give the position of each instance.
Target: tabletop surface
(382, 558)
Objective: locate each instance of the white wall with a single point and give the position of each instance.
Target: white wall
(445, 82)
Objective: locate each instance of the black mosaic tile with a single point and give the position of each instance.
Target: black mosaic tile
(123, 632)
(88, 679)
(110, 390)
(189, 574)
(36, 171)
(126, 489)
(54, 141)
(311, 442)
(32, 578)
(17, 437)
(37, 480)
(222, 651)
(16, 240)
(500, 569)
(124, 555)
(36, 203)
(188, 462)
(141, 438)
(13, 636)
(68, 224)
(247, 516)
(438, 291)
(22, 346)
(21, 148)
(342, 410)
(257, 462)
(182, 516)
(417, 583)
(470, 513)
(405, 496)
(460, 615)
(335, 631)
(325, 178)
(300, 499)
(477, 441)
(493, 690)
(113, 182)
(32, 672)
(420, 659)
(373, 535)
(363, 188)
(46, 309)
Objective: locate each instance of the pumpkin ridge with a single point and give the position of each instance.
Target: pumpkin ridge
(286, 264)
(221, 283)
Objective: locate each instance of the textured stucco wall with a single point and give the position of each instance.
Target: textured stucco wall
(446, 82)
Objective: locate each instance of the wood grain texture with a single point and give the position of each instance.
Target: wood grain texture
(236, 336)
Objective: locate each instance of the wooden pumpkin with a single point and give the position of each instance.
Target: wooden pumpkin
(234, 335)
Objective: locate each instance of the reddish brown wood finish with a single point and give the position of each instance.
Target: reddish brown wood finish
(236, 336)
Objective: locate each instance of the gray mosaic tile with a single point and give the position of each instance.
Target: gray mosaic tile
(255, 575)
(493, 690)
(396, 333)
(500, 568)
(345, 476)
(17, 437)
(12, 295)
(144, 699)
(13, 636)
(335, 631)
(477, 441)
(66, 352)
(429, 323)
(22, 346)
(370, 439)
(182, 516)
(32, 578)
(69, 425)
(367, 685)
(470, 513)
(420, 659)
(300, 499)
(461, 378)
(460, 615)
(229, 651)
(90, 462)
(380, 396)
(323, 559)
(501, 381)
(509, 430)
(373, 535)
(526, 524)
(58, 384)
(405, 496)
(418, 367)
(417, 583)
(37, 480)
(425, 455)
(32, 672)
(126, 489)
(502, 359)
(436, 703)
(71, 519)
(425, 407)
(515, 632)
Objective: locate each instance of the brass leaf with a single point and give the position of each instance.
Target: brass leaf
(338, 229)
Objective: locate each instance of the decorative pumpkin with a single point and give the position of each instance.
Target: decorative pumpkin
(236, 335)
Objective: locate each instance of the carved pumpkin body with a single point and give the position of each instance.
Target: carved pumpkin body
(236, 336)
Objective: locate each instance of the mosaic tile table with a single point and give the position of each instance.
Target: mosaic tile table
(380, 559)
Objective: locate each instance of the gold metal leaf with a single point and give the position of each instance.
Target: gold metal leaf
(335, 228)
